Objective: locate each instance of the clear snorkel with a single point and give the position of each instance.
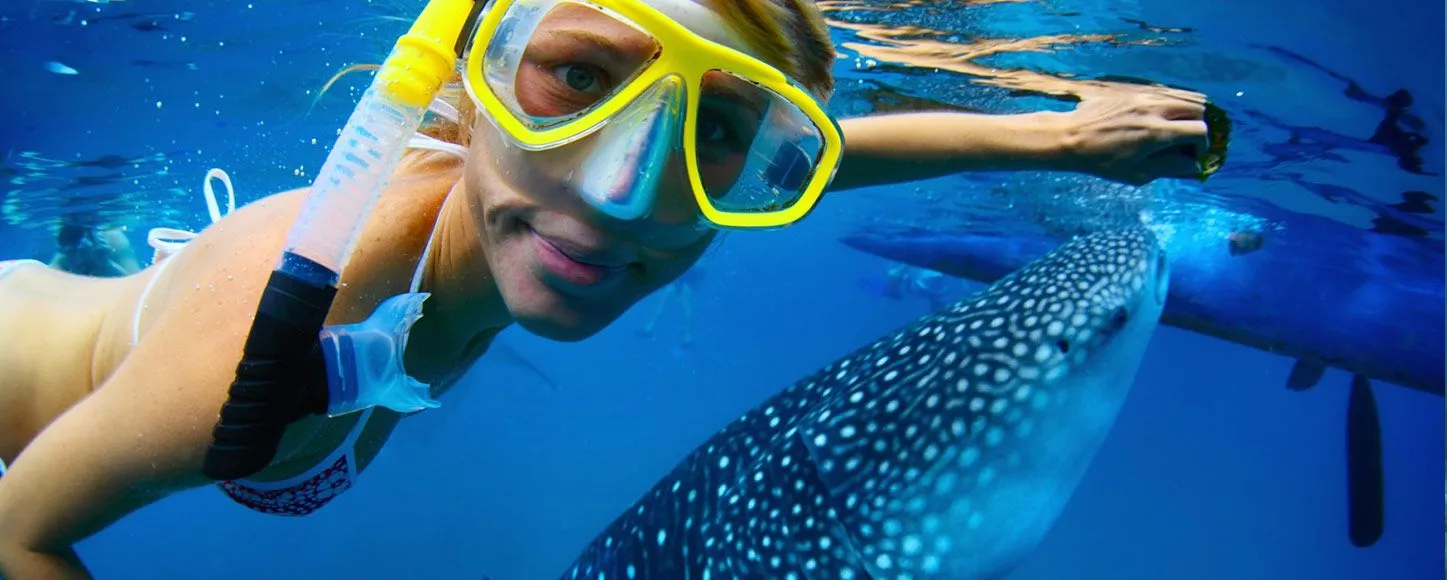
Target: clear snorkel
(373, 141)
(271, 386)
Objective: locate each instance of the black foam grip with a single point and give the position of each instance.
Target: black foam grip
(279, 380)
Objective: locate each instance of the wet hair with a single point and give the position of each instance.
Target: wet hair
(76, 228)
(790, 35)
(71, 235)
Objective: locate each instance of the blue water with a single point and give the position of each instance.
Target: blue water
(1214, 470)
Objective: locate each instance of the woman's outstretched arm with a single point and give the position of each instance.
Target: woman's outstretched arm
(1132, 138)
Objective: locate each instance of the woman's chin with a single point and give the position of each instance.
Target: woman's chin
(546, 304)
(555, 317)
(553, 329)
(547, 312)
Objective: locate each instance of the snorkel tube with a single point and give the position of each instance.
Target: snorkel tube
(280, 378)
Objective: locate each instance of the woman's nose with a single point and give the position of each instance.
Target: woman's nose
(628, 157)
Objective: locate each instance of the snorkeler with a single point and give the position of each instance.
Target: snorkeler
(903, 280)
(586, 155)
(1245, 242)
(89, 249)
(682, 288)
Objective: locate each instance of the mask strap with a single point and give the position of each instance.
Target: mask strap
(420, 141)
(445, 110)
(474, 16)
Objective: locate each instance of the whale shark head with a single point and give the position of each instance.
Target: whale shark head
(949, 448)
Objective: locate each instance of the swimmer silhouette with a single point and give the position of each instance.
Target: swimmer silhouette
(682, 288)
(1399, 131)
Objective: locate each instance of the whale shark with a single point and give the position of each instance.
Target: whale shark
(946, 449)
(1376, 316)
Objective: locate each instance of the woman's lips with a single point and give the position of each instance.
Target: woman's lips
(575, 270)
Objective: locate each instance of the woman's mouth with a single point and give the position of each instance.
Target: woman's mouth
(572, 265)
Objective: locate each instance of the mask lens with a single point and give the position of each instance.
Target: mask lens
(756, 150)
(551, 61)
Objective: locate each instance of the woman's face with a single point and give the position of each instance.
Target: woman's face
(565, 269)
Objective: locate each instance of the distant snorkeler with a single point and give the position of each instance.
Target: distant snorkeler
(682, 288)
(1245, 242)
(87, 247)
(903, 280)
(1399, 131)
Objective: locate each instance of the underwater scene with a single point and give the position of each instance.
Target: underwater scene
(845, 289)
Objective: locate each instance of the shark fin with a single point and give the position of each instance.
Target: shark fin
(1364, 465)
(1305, 374)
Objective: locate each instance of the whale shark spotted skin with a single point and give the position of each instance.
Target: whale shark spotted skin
(944, 450)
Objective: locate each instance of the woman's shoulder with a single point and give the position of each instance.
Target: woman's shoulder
(241, 249)
(413, 194)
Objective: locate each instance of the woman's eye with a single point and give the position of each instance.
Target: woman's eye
(581, 78)
(710, 130)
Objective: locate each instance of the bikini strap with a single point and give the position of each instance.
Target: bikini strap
(416, 285)
(356, 432)
(349, 446)
(168, 241)
(420, 141)
(445, 110)
(141, 302)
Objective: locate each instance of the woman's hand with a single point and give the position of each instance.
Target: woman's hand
(1136, 137)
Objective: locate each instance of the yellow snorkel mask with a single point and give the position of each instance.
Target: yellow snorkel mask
(758, 149)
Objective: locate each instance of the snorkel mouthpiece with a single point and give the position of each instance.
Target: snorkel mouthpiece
(277, 378)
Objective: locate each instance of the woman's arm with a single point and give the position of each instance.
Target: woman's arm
(123, 255)
(132, 442)
(143, 433)
(139, 437)
(1132, 139)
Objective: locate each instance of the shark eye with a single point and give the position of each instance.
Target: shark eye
(1063, 345)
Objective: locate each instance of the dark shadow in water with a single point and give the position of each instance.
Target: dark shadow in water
(1400, 131)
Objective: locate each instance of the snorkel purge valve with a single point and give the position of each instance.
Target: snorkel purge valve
(279, 379)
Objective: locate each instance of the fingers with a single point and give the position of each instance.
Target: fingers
(1170, 106)
(1183, 95)
(1179, 110)
(1172, 163)
(1187, 135)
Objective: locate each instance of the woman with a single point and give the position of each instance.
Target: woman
(110, 401)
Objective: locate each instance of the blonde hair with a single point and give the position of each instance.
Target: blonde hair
(791, 35)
